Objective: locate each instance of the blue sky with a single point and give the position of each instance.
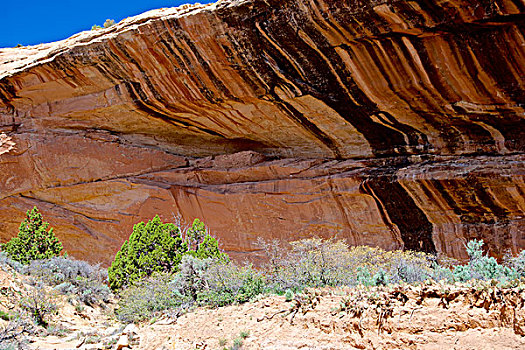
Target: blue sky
(31, 22)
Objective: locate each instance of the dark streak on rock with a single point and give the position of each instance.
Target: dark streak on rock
(416, 230)
(313, 129)
(134, 89)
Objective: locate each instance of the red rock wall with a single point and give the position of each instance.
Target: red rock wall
(392, 123)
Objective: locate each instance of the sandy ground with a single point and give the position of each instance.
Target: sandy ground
(408, 325)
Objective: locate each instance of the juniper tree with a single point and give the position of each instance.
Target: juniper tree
(152, 247)
(34, 240)
(159, 247)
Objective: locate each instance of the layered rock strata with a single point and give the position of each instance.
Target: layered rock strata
(390, 123)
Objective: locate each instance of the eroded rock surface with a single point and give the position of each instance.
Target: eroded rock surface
(390, 123)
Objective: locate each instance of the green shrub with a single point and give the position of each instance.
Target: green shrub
(482, 267)
(316, 262)
(380, 278)
(199, 282)
(288, 295)
(202, 245)
(517, 264)
(237, 344)
(60, 269)
(34, 240)
(244, 334)
(209, 248)
(147, 297)
(363, 276)
(474, 249)
(152, 247)
(195, 234)
(158, 247)
(306, 263)
(441, 273)
(5, 316)
(108, 23)
(5, 260)
(190, 280)
(226, 283)
(86, 290)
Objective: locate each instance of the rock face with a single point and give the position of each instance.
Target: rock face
(390, 123)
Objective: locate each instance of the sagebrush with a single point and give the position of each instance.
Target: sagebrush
(88, 283)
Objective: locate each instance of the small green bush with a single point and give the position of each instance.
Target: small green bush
(34, 240)
(152, 247)
(146, 298)
(244, 334)
(482, 267)
(159, 247)
(209, 248)
(237, 344)
(380, 278)
(190, 280)
(441, 273)
(288, 295)
(199, 282)
(226, 283)
(517, 264)
(201, 244)
(108, 23)
(5, 316)
(363, 276)
(5, 260)
(86, 290)
(57, 270)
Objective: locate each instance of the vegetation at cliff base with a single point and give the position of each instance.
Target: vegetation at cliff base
(156, 247)
(292, 268)
(34, 241)
(33, 301)
(168, 269)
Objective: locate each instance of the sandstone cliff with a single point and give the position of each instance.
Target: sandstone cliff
(391, 123)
